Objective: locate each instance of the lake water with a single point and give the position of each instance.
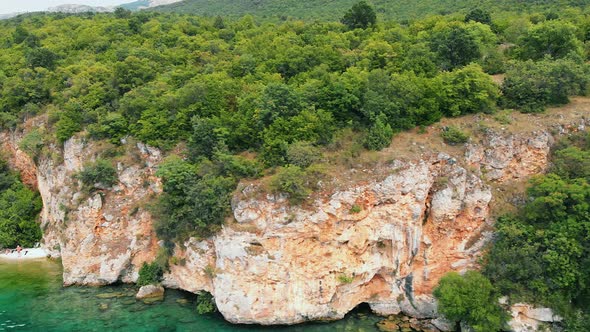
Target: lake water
(32, 299)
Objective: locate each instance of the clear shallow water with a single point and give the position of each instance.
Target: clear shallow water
(32, 299)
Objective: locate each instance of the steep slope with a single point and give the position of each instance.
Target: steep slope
(421, 215)
(335, 9)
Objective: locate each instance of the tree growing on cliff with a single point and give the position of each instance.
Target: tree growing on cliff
(471, 299)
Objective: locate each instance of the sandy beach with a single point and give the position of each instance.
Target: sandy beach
(26, 253)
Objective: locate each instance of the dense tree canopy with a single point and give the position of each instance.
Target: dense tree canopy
(541, 255)
(19, 208)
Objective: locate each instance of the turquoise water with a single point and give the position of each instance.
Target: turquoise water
(32, 299)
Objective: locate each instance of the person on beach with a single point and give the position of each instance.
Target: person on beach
(18, 249)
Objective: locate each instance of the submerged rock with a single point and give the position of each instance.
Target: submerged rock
(150, 293)
(387, 325)
(110, 295)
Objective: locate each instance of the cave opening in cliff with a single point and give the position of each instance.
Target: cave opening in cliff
(361, 308)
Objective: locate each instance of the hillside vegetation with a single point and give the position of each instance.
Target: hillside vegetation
(241, 96)
(332, 10)
(229, 99)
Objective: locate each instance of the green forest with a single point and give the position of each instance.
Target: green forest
(248, 97)
(330, 10)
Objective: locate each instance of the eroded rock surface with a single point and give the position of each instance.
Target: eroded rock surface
(526, 317)
(280, 264)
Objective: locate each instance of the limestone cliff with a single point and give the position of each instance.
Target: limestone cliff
(279, 264)
(104, 236)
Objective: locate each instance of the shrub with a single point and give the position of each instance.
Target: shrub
(291, 180)
(150, 274)
(471, 299)
(530, 86)
(101, 173)
(195, 201)
(344, 279)
(66, 127)
(355, 209)
(237, 166)
(206, 303)
(379, 135)
(303, 154)
(453, 135)
(32, 143)
(468, 90)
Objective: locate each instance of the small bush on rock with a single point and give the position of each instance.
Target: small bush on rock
(206, 303)
(100, 173)
(150, 274)
(291, 180)
(453, 135)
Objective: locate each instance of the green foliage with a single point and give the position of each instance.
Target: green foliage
(66, 127)
(472, 299)
(531, 86)
(550, 266)
(205, 303)
(291, 181)
(99, 174)
(379, 135)
(195, 201)
(32, 143)
(303, 154)
(455, 45)
(112, 126)
(453, 135)
(554, 38)
(150, 274)
(468, 90)
(19, 209)
(479, 15)
(361, 15)
(329, 10)
(205, 138)
(345, 279)
(355, 209)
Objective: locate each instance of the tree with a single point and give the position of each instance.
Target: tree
(361, 15)
(455, 46)
(122, 13)
(553, 38)
(531, 86)
(479, 15)
(471, 299)
(195, 201)
(468, 90)
(379, 135)
(41, 57)
(205, 138)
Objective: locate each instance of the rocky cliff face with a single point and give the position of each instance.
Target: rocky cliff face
(280, 264)
(104, 236)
